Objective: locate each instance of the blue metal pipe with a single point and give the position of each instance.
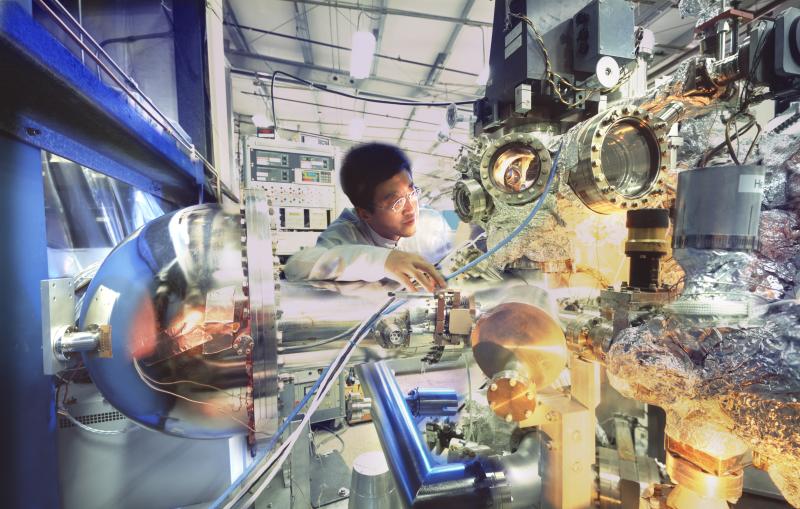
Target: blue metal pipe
(432, 402)
(415, 471)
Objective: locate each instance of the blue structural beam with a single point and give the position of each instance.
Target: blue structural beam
(29, 450)
(54, 102)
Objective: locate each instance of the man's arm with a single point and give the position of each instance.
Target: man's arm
(340, 256)
(343, 262)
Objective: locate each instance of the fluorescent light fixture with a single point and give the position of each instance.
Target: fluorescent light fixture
(361, 54)
(355, 128)
(483, 77)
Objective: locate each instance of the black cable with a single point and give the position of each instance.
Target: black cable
(343, 48)
(351, 96)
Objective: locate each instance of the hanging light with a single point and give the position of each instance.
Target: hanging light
(361, 54)
(483, 77)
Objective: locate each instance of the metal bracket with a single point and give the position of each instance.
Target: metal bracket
(58, 315)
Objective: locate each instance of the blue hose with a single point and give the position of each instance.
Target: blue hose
(519, 228)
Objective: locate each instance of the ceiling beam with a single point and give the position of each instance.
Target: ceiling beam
(301, 16)
(378, 37)
(378, 54)
(240, 41)
(350, 110)
(441, 58)
(395, 12)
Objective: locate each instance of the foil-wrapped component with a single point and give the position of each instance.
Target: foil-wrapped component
(716, 281)
(776, 188)
(703, 10)
(780, 151)
(787, 478)
(779, 234)
(721, 386)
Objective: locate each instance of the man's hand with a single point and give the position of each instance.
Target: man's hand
(405, 266)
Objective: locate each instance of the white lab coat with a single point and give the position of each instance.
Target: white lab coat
(349, 250)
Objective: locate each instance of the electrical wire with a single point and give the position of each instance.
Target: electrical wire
(315, 344)
(63, 411)
(550, 74)
(519, 228)
(324, 88)
(318, 390)
(228, 414)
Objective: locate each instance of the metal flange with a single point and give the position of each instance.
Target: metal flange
(522, 140)
(470, 201)
(589, 179)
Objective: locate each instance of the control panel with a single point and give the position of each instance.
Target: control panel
(301, 181)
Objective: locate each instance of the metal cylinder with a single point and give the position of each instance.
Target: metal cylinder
(372, 485)
(432, 402)
(76, 341)
(647, 232)
(718, 208)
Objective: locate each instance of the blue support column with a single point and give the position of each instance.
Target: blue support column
(191, 76)
(31, 463)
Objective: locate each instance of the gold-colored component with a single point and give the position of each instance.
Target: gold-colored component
(689, 476)
(731, 455)
(520, 337)
(104, 350)
(511, 401)
(516, 168)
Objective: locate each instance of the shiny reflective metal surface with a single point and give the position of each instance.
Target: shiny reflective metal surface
(522, 338)
(514, 168)
(193, 342)
(630, 158)
(372, 486)
(621, 154)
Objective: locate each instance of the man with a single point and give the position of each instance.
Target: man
(385, 235)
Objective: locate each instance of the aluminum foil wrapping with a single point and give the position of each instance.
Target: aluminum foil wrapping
(722, 387)
(545, 239)
(699, 133)
(716, 273)
(703, 10)
(779, 253)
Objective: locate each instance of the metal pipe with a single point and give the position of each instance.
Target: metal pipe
(432, 402)
(78, 341)
(415, 472)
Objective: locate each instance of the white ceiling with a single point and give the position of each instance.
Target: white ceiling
(406, 37)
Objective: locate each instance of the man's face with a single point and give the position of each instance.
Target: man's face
(387, 222)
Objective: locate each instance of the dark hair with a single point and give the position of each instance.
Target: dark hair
(367, 166)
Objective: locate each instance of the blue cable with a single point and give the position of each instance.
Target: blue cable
(519, 228)
(388, 310)
(282, 428)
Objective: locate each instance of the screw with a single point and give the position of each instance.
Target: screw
(509, 417)
(512, 382)
(551, 416)
(493, 387)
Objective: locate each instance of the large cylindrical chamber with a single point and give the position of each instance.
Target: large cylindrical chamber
(193, 334)
(718, 208)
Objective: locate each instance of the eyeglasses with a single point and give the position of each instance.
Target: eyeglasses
(400, 203)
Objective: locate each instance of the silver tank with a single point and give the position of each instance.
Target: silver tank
(190, 348)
